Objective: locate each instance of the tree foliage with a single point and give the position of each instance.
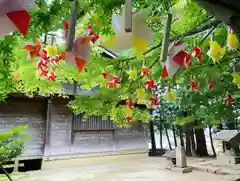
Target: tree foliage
(19, 74)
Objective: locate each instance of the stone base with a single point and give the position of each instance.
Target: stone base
(181, 161)
(181, 170)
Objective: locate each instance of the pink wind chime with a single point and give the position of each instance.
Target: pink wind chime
(14, 16)
(78, 48)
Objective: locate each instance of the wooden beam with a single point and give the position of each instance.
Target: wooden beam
(165, 43)
(72, 26)
(128, 16)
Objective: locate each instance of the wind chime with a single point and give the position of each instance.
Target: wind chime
(77, 48)
(47, 59)
(131, 31)
(14, 16)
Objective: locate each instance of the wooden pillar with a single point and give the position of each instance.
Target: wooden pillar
(48, 127)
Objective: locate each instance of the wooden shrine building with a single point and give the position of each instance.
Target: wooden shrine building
(230, 141)
(56, 133)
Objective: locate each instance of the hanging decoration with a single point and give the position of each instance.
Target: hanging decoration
(46, 65)
(229, 100)
(81, 49)
(15, 16)
(236, 78)
(216, 52)
(129, 103)
(150, 85)
(177, 57)
(145, 72)
(154, 100)
(128, 110)
(47, 58)
(51, 50)
(141, 94)
(140, 37)
(169, 96)
(78, 48)
(210, 84)
(132, 74)
(232, 40)
(198, 54)
(33, 49)
(113, 82)
(105, 75)
(195, 86)
(128, 114)
(16, 75)
(92, 33)
(65, 30)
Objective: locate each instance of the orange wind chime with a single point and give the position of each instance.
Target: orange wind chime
(78, 48)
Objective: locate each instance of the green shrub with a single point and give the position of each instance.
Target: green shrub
(12, 143)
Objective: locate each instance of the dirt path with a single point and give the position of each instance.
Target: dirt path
(131, 168)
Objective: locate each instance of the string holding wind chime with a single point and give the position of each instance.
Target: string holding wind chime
(78, 49)
(14, 16)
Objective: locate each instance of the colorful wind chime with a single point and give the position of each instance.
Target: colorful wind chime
(131, 31)
(178, 57)
(47, 59)
(78, 48)
(14, 16)
(112, 81)
(128, 110)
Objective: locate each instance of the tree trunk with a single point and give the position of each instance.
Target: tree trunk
(188, 141)
(201, 142)
(174, 135)
(193, 143)
(230, 125)
(5, 172)
(160, 129)
(181, 136)
(153, 143)
(211, 140)
(166, 132)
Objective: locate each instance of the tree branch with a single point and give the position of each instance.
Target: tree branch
(6, 173)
